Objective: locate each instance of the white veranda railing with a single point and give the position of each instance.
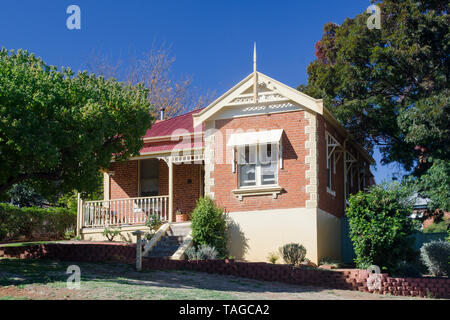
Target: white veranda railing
(120, 212)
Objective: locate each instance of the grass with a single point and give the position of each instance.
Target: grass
(47, 280)
(98, 281)
(21, 244)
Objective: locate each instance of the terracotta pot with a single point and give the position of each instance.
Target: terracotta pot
(182, 217)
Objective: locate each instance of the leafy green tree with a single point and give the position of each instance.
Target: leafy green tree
(380, 226)
(24, 195)
(58, 129)
(389, 87)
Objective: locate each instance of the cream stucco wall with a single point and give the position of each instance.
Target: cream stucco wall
(96, 234)
(253, 235)
(329, 235)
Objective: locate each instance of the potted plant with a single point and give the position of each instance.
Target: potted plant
(181, 217)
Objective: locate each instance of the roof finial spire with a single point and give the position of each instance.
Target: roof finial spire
(255, 76)
(254, 58)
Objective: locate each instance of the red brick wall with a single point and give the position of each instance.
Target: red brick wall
(328, 202)
(185, 194)
(291, 177)
(124, 182)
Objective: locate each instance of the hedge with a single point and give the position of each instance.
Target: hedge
(34, 224)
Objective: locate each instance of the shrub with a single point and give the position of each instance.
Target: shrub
(407, 269)
(436, 256)
(273, 257)
(293, 253)
(203, 252)
(209, 226)
(111, 233)
(153, 222)
(330, 262)
(34, 224)
(380, 227)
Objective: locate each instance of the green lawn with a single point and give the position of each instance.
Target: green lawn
(21, 244)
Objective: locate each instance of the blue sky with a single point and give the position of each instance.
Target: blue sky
(211, 40)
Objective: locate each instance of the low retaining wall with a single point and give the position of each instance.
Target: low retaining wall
(347, 279)
(81, 252)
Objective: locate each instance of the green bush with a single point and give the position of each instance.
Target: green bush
(111, 233)
(436, 256)
(203, 252)
(153, 222)
(293, 253)
(209, 226)
(273, 257)
(380, 227)
(34, 224)
(406, 269)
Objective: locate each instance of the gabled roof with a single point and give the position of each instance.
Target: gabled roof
(307, 102)
(314, 105)
(167, 127)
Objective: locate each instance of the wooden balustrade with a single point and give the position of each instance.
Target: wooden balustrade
(123, 212)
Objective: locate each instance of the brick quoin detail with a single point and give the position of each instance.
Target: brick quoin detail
(291, 178)
(347, 279)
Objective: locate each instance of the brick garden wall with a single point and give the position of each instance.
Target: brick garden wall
(347, 279)
(81, 252)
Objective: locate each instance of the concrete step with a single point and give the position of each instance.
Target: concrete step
(170, 243)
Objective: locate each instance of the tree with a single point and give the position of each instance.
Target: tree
(58, 129)
(380, 227)
(389, 87)
(153, 69)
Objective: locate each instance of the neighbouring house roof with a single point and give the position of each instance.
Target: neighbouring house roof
(419, 202)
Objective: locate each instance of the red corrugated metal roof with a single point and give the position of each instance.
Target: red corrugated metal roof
(161, 146)
(167, 127)
(180, 125)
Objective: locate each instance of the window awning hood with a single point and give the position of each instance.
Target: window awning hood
(255, 137)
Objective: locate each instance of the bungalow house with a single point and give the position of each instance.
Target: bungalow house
(276, 160)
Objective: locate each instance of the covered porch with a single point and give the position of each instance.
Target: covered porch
(156, 184)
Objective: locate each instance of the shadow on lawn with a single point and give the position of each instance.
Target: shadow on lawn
(25, 272)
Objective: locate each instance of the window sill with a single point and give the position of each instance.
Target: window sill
(257, 191)
(333, 193)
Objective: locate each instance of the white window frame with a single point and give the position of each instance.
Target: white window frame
(258, 168)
